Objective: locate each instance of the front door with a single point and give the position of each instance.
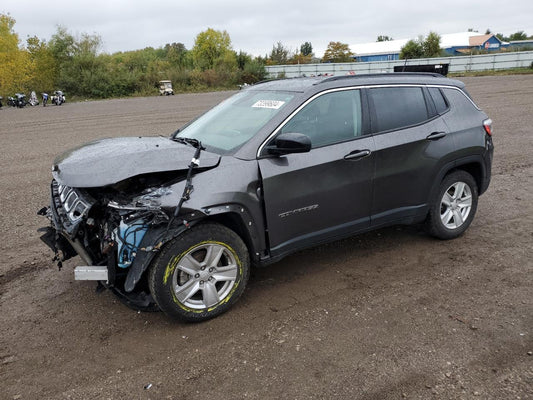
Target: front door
(326, 193)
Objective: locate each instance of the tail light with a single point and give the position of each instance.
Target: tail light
(487, 125)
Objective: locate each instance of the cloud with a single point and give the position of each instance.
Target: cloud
(256, 27)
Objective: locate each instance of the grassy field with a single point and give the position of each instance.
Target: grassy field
(499, 72)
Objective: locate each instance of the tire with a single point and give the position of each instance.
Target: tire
(454, 207)
(200, 274)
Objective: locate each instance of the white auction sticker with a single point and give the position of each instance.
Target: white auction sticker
(275, 104)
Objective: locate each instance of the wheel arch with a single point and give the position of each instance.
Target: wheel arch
(475, 169)
(234, 221)
(231, 216)
(473, 165)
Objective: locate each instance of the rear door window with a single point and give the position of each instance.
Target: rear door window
(398, 107)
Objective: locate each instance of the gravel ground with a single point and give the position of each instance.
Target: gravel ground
(390, 314)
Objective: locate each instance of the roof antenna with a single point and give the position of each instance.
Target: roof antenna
(404, 64)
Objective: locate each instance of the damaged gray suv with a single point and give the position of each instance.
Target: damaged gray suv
(176, 223)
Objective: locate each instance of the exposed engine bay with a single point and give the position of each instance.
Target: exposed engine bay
(117, 229)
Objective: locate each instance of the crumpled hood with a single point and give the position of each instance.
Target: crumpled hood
(108, 161)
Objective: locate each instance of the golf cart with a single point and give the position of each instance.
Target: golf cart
(165, 88)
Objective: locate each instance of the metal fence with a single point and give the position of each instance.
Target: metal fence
(456, 64)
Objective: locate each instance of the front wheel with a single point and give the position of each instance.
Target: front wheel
(201, 273)
(453, 210)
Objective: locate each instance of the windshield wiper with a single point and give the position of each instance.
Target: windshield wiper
(190, 141)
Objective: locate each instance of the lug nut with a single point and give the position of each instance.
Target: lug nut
(197, 276)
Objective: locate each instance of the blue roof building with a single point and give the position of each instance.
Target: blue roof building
(454, 44)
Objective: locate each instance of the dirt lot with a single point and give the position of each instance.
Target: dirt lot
(388, 315)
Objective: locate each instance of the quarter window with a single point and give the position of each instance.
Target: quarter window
(438, 99)
(331, 118)
(398, 107)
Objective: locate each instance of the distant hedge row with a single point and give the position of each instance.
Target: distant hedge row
(76, 65)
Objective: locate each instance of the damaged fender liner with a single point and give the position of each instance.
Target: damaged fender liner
(148, 249)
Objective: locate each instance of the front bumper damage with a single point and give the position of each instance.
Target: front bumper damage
(66, 211)
(116, 242)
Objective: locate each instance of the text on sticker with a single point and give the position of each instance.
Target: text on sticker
(275, 104)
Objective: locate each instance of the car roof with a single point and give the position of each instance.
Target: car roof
(328, 82)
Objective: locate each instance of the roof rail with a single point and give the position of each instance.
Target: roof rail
(277, 79)
(339, 77)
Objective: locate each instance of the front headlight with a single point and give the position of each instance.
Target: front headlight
(151, 197)
(149, 200)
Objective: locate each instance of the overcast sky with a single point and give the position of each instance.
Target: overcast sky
(254, 26)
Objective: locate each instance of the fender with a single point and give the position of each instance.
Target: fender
(238, 218)
(478, 160)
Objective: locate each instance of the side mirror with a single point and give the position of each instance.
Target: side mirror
(290, 142)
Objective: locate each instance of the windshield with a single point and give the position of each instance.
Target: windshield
(236, 120)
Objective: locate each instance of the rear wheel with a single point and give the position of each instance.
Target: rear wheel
(201, 273)
(454, 207)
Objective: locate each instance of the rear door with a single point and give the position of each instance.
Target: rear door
(412, 143)
(326, 193)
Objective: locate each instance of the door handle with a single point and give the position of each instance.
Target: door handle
(436, 136)
(357, 154)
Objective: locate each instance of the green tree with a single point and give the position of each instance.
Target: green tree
(420, 47)
(279, 55)
(242, 59)
(62, 47)
(210, 47)
(136, 61)
(337, 52)
(520, 35)
(412, 49)
(300, 59)
(86, 72)
(62, 44)
(250, 70)
(43, 63)
(384, 38)
(306, 49)
(501, 37)
(178, 55)
(83, 71)
(16, 68)
(254, 71)
(227, 63)
(431, 45)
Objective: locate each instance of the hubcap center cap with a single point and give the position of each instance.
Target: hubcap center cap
(204, 275)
